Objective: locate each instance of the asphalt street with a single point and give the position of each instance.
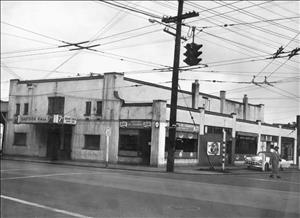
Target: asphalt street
(52, 190)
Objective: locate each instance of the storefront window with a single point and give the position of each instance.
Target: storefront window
(287, 148)
(135, 143)
(246, 144)
(129, 142)
(186, 145)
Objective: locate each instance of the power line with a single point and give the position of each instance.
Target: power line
(41, 53)
(22, 37)
(119, 5)
(27, 50)
(287, 59)
(30, 31)
(258, 17)
(89, 42)
(121, 33)
(247, 23)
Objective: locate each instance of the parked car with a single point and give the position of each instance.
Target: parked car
(256, 161)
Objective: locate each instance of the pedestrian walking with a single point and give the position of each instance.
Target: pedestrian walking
(275, 158)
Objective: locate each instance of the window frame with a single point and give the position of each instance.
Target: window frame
(26, 109)
(18, 109)
(88, 108)
(56, 105)
(99, 108)
(24, 142)
(92, 147)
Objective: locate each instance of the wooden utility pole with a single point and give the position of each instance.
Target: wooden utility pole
(173, 112)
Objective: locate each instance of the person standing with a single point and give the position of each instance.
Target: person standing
(275, 158)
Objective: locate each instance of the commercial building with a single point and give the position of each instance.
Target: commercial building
(80, 117)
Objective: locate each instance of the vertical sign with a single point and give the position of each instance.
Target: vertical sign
(107, 134)
(223, 149)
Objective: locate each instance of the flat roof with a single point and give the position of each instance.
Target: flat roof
(100, 76)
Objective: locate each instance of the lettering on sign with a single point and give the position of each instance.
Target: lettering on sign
(33, 119)
(69, 120)
(147, 124)
(123, 124)
(135, 124)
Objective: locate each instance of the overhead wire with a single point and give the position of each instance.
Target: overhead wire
(26, 38)
(250, 14)
(274, 23)
(30, 31)
(224, 17)
(110, 23)
(119, 5)
(286, 59)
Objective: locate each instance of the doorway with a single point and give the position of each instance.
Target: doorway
(59, 143)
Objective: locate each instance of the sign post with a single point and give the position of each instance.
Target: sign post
(107, 134)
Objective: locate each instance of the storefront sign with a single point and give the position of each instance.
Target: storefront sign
(185, 127)
(59, 119)
(135, 124)
(32, 119)
(123, 124)
(213, 148)
(69, 120)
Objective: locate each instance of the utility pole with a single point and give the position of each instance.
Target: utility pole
(173, 112)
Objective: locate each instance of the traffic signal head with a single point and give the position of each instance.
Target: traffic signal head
(192, 53)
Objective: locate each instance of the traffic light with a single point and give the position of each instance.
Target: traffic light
(192, 53)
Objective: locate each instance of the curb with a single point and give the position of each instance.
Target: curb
(181, 170)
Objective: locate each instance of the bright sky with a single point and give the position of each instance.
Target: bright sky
(31, 32)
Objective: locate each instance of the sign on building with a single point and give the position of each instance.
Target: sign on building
(213, 148)
(32, 119)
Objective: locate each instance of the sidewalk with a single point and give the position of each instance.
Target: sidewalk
(195, 170)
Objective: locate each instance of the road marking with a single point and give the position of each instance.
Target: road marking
(273, 180)
(44, 207)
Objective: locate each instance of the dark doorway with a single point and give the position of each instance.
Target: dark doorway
(55, 149)
(135, 144)
(145, 143)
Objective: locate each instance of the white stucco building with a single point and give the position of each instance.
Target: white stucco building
(76, 118)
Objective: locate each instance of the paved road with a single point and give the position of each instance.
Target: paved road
(47, 190)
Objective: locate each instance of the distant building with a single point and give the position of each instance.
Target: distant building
(72, 118)
(3, 118)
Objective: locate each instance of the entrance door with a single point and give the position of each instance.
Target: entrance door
(53, 143)
(55, 149)
(145, 143)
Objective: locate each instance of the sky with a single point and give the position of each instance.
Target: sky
(238, 38)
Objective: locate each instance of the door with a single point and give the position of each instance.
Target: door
(55, 149)
(145, 143)
(53, 142)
